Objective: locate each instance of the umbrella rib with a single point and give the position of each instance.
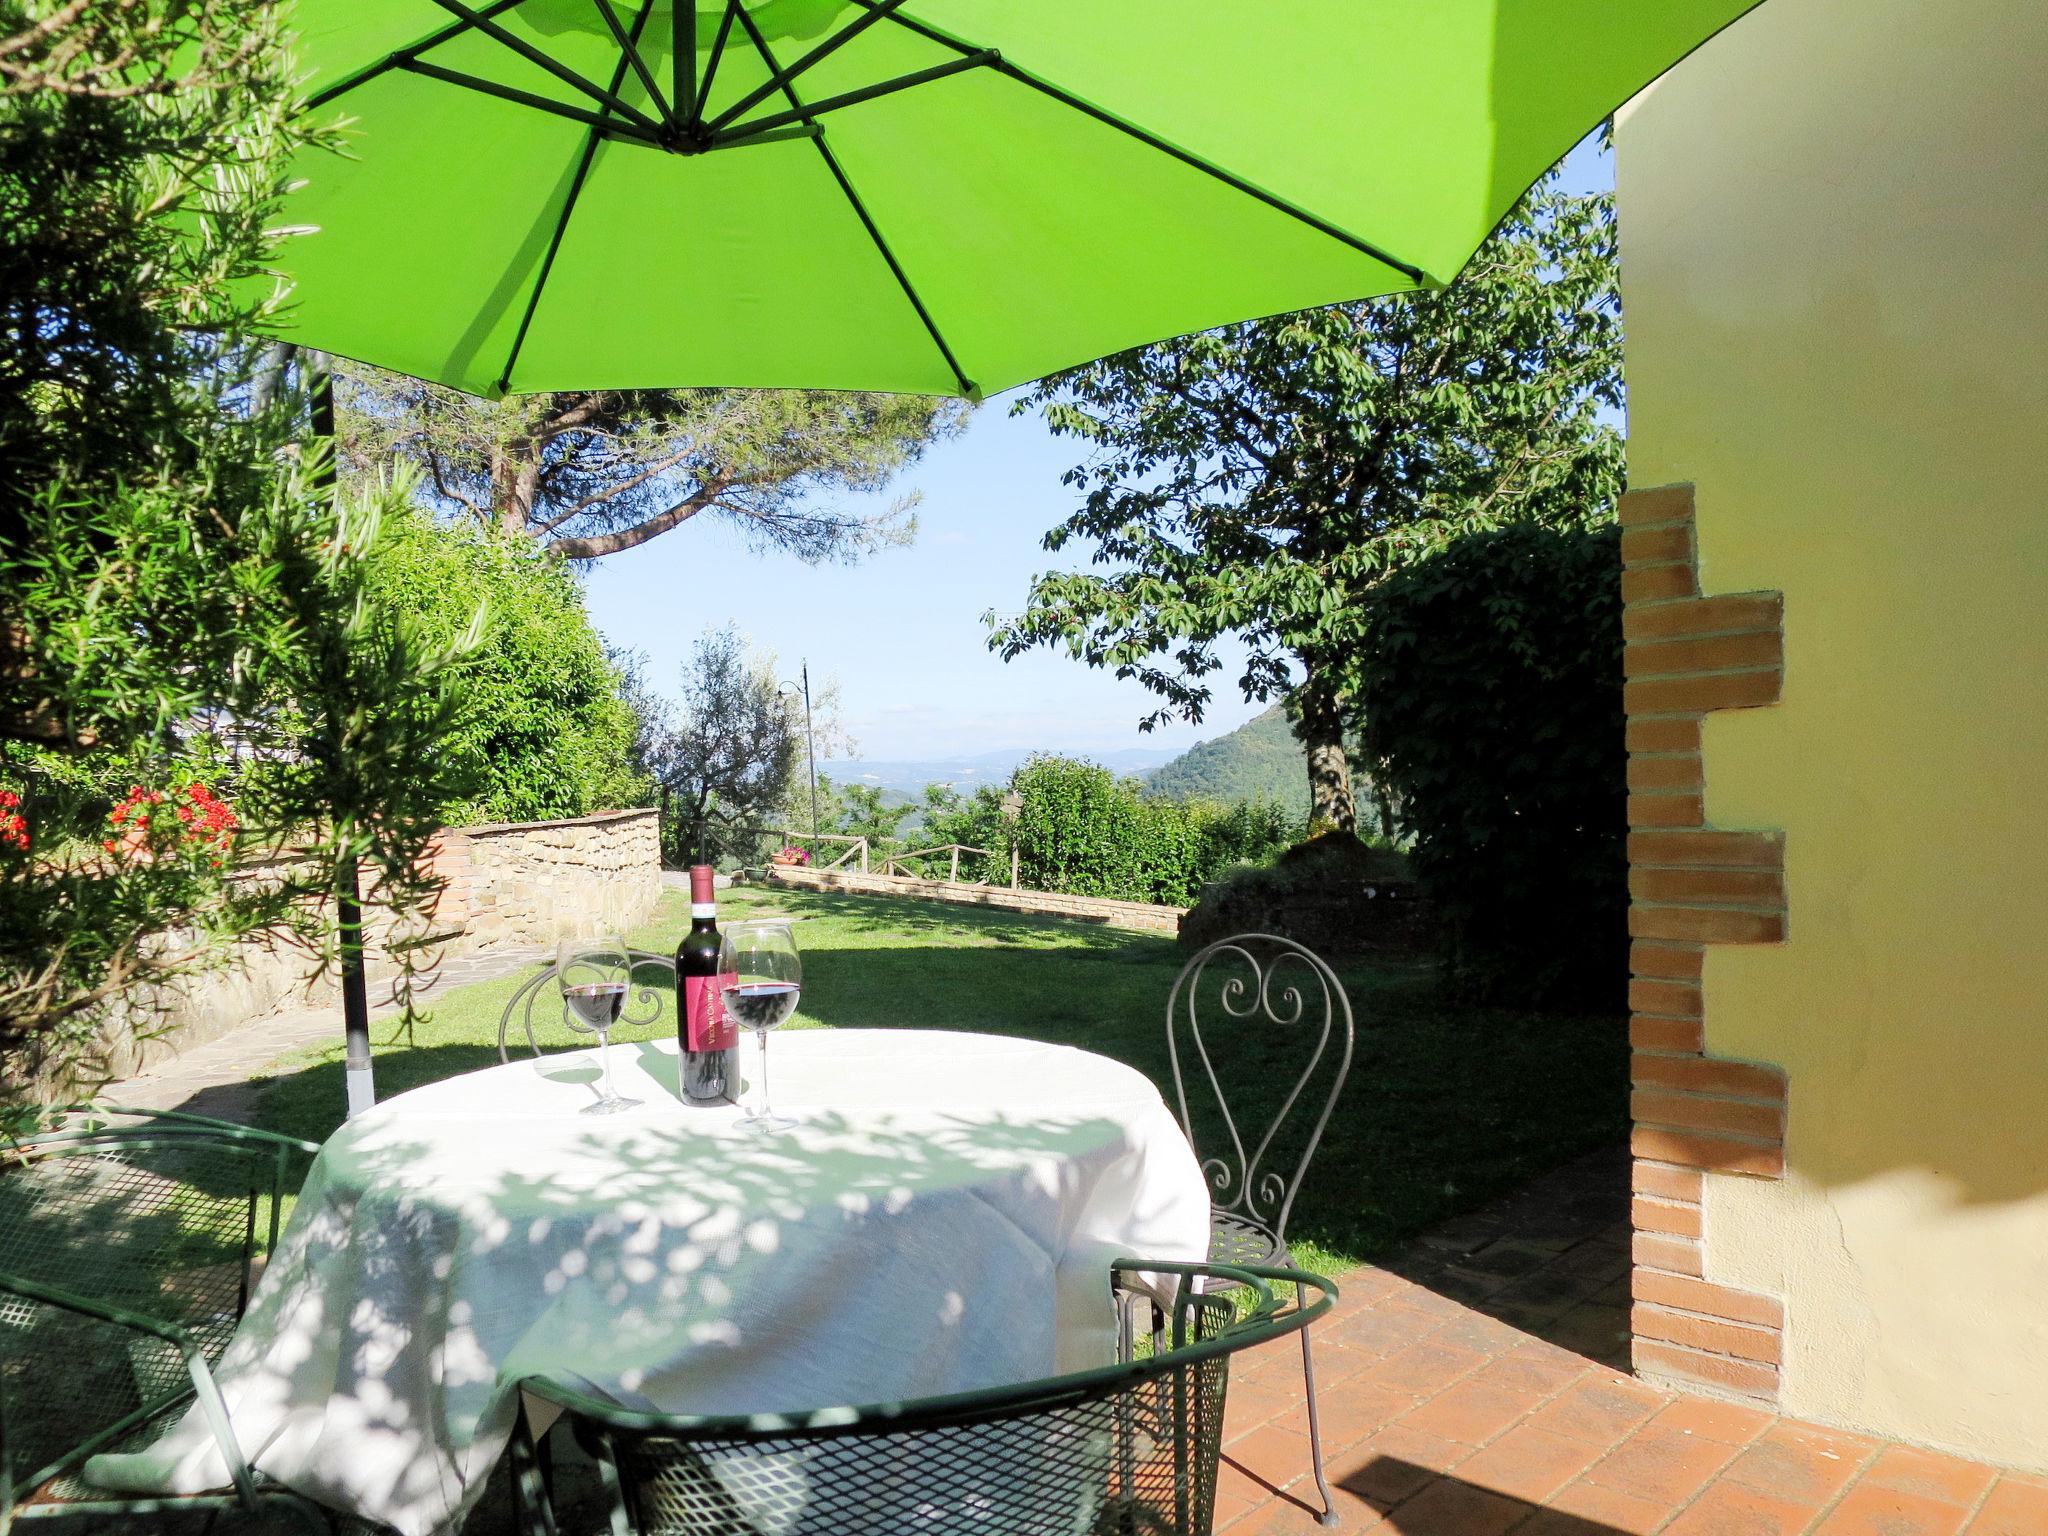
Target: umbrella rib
(779, 79)
(402, 56)
(1151, 140)
(852, 98)
(682, 61)
(539, 58)
(594, 120)
(967, 385)
(632, 55)
(547, 262)
(711, 67)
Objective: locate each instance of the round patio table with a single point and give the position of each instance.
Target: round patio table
(942, 1218)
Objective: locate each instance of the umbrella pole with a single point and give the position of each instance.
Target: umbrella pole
(348, 896)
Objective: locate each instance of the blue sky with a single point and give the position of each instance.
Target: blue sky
(902, 631)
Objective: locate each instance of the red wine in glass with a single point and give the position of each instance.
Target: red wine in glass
(594, 977)
(596, 1004)
(762, 976)
(761, 1004)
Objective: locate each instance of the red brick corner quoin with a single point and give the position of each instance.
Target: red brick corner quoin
(1691, 885)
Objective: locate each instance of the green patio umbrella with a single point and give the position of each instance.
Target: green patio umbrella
(937, 196)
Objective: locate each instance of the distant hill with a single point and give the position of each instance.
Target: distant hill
(1259, 760)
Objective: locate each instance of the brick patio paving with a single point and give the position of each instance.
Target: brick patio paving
(1470, 1388)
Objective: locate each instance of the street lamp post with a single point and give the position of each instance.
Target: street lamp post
(810, 748)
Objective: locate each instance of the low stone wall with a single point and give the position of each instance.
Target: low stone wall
(518, 885)
(1094, 909)
(515, 885)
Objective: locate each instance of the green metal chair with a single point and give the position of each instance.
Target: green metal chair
(1128, 1449)
(1265, 997)
(129, 1243)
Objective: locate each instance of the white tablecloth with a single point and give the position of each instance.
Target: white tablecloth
(941, 1220)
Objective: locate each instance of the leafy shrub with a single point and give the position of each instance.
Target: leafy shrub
(1336, 893)
(1490, 692)
(544, 728)
(1080, 830)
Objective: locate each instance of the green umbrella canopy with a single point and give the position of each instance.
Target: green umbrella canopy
(934, 196)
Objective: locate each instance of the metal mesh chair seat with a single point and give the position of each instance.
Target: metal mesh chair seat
(1125, 1450)
(1238, 1239)
(128, 1247)
(68, 1487)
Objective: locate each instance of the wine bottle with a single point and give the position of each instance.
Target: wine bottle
(710, 1041)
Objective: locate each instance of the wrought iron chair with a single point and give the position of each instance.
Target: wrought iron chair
(128, 1246)
(1125, 1448)
(1278, 988)
(654, 978)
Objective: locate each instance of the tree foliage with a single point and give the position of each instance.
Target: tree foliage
(172, 571)
(595, 472)
(1262, 480)
(1077, 828)
(1490, 698)
(544, 730)
(725, 760)
(863, 810)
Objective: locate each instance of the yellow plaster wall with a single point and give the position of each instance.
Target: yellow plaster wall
(1835, 253)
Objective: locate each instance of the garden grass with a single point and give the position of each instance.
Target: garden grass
(1446, 1105)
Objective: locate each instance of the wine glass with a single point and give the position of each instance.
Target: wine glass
(594, 975)
(762, 977)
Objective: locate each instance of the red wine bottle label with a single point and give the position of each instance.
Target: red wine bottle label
(706, 1025)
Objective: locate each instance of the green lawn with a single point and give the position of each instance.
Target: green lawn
(1445, 1105)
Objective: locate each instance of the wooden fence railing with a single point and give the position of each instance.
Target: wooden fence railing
(896, 864)
(892, 865)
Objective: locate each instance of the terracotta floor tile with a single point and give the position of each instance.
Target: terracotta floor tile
(1274, 1454)
(1614, 1510)
(1449, 1507)
(1424, 1369)
(1931, 1475)
(1335, 1363)
(1535, 1376)
(1427, 1302)
(1471, 1411)
(1528, 1463)
(1380, 1332)
(1469, 1286)
(1845, 1443)
(1238, 1485)
(1558, 1522)
(1730, 1509)
(1477, 1331)
(1232, 1506)
(1600, 1409)
(1248, 1404)
(1286, 1515)
(2030, 1479)
(1354, 1411)
(1367, 1286)
(1730, 1423)
(2014, 1507)
(1601, 1332)
(1663, 1466)
(1397, 1463)
(1790, 1466)
(1868, 1510)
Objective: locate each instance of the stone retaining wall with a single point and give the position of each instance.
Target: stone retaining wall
(1096, 909)
(525, 884)
(513, 885)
